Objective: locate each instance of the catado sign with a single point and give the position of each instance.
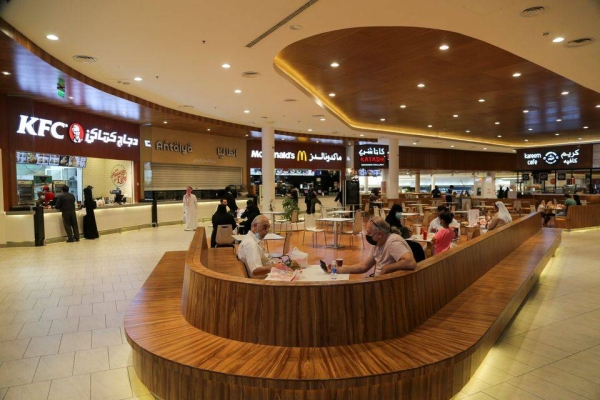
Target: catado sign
(58, 130)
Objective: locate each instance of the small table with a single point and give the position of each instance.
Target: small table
(273, 214)
(314, 273)
(335, 220)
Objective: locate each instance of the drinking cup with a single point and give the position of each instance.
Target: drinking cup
(339, 262)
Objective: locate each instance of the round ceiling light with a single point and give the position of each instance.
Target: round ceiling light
(444, 47)
(295, 27)
(51, 37)
(335, 65)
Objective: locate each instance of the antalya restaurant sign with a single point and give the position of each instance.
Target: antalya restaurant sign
(77, 134)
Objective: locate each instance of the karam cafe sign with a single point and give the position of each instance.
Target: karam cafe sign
(58, 130)
(372, 156)
(301, 155)
(552, 157)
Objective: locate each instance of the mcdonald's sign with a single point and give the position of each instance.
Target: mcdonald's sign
(301, 156)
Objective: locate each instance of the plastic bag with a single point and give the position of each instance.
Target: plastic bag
(300, 257)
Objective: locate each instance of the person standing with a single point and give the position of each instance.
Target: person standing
(90, 229)
(48, 196)
(436, 193)
(66, 204)
(307, 199)
(450, 195)
(190, 210)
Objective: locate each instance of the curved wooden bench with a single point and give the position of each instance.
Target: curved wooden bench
(176, 360)
(579, 217)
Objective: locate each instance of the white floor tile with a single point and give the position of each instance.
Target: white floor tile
(92, 322)
(67, 325)
(32, 391)
(43, 346)
(72, 342)
(71, 388)
(112, 384)
(120, 356)
(18, 372)
(54, 366)
(13, 349)
(33, 329)
(106, 337)
(91, 360)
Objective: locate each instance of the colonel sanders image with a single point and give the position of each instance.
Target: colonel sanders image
(76, 133)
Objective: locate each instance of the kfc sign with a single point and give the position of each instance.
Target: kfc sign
(39, 127)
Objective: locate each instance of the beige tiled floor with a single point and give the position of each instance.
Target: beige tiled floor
(62, 309)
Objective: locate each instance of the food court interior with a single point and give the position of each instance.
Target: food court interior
(369, 104)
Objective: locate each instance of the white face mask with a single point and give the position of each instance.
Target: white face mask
(398, 215)
(257, 236)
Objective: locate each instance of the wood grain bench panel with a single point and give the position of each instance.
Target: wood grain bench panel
(579, 217)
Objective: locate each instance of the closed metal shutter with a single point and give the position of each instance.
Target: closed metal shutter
(178, 177)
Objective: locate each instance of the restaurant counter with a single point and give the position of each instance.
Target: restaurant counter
(18, 226)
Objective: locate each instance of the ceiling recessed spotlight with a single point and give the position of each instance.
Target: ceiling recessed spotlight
(530, 129)
(414, 142)
(247, 135)
(71, 97)
(402, 106)
(51, 37)
(430, 126)
(8, 73)
(226, 66)
(335, 65)
(481, 100)
(579, 138)
(362, 135)
(558, 39)
(137, 78)
(238, 91)
(317, 141)
(564, 93)
(517, 74)
(527, 140)
(321, 119)
(208, 129)
(485, 148)
(497, 123)
(165, 122)
(557, 134)
(310, 129)
(452, 146)
(295, 27)
(597, 106)
(585, 127)
(499, 135)
(455, 116)
(559, 120)
(382, 119)
(246, 111)
(421, 85)
(468, 131)
(332, 94)
(525, 111)
(444, 47)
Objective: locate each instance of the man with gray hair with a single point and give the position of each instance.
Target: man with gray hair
(251, 253)
(390, 252)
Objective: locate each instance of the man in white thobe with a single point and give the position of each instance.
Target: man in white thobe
(190, 210)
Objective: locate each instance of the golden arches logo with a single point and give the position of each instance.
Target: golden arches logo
(301, 156)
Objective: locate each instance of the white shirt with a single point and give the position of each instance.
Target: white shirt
(251, 253)
(436, 225)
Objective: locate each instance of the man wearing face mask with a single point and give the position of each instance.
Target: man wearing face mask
(251, 253)
(390, 252)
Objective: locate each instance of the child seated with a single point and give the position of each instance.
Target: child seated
(443, 238)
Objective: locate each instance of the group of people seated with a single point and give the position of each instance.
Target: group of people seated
(224, 216)
(547, 209)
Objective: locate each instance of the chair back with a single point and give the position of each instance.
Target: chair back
(417, 250)
(286, 244)
(223, 237)
(357, 227)
(294, 217)
(390, 204)
(376, 211)
(466, 205)
(366, 208)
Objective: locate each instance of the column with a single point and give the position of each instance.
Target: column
(268, 167)
(394, 161)
(418, 182)
(349, 161)
(432, 182)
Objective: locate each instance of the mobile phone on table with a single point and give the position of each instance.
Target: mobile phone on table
(323, 266)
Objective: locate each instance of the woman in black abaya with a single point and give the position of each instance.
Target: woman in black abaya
(90, 230)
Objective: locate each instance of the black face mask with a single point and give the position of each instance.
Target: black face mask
(371, 240)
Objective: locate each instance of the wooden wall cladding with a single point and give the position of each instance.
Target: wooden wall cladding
(303, 314)
(580, 217)
(455, 160)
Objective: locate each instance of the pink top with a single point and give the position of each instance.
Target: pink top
(443, 239)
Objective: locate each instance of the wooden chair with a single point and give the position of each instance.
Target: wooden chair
(417, 250)
(223, 238)
(376, 211)
(356, 229)
(309, 227)
(286, 247)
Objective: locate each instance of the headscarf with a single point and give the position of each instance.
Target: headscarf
(503, 213)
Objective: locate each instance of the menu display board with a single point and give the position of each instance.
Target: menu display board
(25, 157)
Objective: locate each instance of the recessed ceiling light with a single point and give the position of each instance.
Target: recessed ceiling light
(597, 106)
(247, 135)
(558, 39)
(310, 129)
(455, 116)
(8, 73)
(295, 27)
(421, 85)
(430, 126)
(527, 140)
(559, 120)
(485, 148)
(51, 37)
(444, 47)
(402, 106)
(335, 65)
(362, 135)
(579, 138)
(165, 122)
(331, 94)
(317, 141)
(585, 127)
(322, 119)
(517, 74)
(525, 111)
(530, 129)
(565, 93)
(414, 142)
(481, 100)
(497, 123)
(226, 66)
(499, 135)
(71, 97)
(557, 134)
(468, 131)
(137, 78)
(246, 111)
(452, 146)
(382, 119)
(238, 91)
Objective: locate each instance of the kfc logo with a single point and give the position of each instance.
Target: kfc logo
(76, 133)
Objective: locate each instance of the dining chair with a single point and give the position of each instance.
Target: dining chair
(223, 238)
(357, 229)
(285, 249)
(311, 228)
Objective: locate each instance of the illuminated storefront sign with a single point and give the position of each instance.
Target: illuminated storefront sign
(226, 152)
(301, 155)
(58, 130)
(372, 156)
(552, 158)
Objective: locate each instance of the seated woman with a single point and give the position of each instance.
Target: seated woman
(549, 212)
(577, 200)
(502, 216)
(393, 219)
(249, 214)
(220, 217)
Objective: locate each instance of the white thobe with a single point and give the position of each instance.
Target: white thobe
(190, 212)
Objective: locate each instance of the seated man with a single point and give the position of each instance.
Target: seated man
(436, 223)
(390, 252)
(568, 202)
(251, 253)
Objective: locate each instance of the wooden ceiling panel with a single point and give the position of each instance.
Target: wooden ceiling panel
(380, 68)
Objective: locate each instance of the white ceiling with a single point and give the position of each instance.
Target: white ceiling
(177, 47)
